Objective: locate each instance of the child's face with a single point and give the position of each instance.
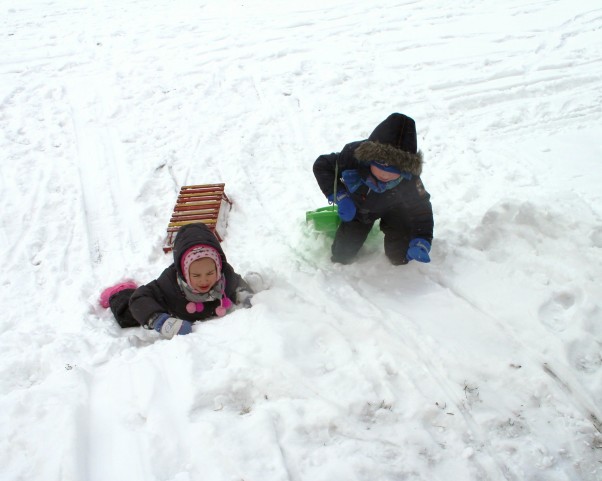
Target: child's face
(203, 274)
(383, 175)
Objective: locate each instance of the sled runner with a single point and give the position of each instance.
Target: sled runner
(206, 203)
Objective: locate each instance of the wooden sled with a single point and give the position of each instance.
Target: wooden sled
(206, 203)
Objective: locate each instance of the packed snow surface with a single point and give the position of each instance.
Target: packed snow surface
(485, 364)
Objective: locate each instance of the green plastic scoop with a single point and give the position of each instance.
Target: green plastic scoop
(325, 219)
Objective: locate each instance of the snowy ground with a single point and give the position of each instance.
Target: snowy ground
(484, 365)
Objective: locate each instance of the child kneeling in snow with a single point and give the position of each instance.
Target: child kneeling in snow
(379, 178)
(199, 284)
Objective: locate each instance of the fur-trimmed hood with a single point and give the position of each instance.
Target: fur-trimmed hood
(393, 142)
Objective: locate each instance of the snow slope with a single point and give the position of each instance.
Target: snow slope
(485, 364)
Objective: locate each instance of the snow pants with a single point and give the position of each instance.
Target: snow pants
(120, 307)
(350, 237)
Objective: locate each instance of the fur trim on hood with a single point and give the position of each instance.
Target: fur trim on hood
(387, 154)
(393, 142)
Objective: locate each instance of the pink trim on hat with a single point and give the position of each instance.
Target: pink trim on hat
(197, 252)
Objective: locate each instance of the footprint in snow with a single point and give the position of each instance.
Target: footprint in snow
(555, 313)
(585, 355)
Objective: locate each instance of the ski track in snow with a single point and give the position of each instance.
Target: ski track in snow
(360, 372)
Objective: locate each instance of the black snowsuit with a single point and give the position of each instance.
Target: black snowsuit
(163, 295)
(405, 211)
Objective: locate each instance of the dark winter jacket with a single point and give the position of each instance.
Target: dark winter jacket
(164, 295)
(393, 142)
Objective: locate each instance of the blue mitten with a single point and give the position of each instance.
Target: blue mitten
(186, 328)
(345, 205)
(170, 326)
(352, 179)
(419, 250)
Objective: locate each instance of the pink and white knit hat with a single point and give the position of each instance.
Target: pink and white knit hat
(194, 254)
(199, 252)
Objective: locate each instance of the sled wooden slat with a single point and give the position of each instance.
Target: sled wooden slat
(199, 198)
(185, 213)
(204, 220)
(211, 187)
(197, 193)
(180, 218)
(186, 205)
(206, 203)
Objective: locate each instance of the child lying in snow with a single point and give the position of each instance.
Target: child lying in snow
(198, 285)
